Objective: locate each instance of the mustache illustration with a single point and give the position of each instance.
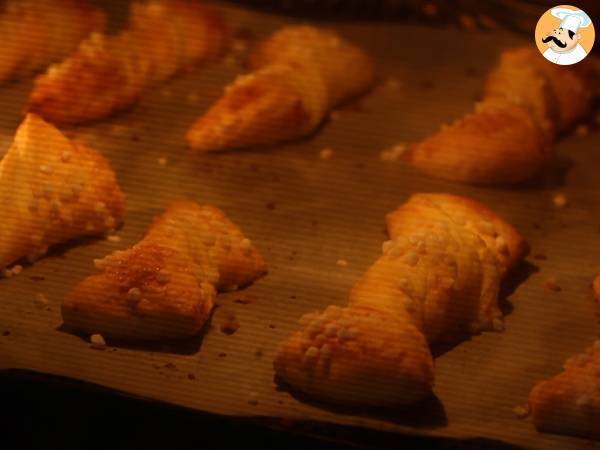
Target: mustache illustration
(556, 41)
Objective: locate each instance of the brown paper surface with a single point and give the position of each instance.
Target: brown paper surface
(304, 213)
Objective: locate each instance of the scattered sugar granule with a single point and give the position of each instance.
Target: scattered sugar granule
(521, 411)
(230, 325)
(162, 161)
(560, 200)
(114, 238)
(193, 98)
(342, 262)
(253, 398)
(392, 83)
(98, 342)
(16, 270)
(552, 284)
(326, 153)
(582, 130)
(239, 46)
(41, 300)
(393, 153)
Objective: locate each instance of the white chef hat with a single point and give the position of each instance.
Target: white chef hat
(572, 19)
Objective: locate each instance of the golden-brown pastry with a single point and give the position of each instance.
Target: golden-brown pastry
(508, 137)
(108, 73)
(53, 190)
(164, 286)
(569, 403)
(298, 75)
(37, 33)
(438, 279)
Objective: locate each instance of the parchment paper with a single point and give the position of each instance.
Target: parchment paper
(304, 213)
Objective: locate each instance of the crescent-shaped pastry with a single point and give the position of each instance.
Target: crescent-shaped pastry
(437, 280)
(108, 73)
(298, 75)
(508, 137)
(37, 33)
(569, 403)
(164, 286)
(53, 190)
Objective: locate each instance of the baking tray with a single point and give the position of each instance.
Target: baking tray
(304, 213)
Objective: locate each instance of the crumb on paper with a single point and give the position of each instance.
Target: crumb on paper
(230, 325)
(230, 60)
(252, 398)
(392, 83)
(239, 46)
(193, 98)
(342, 262)
(596, 288)
(191, 376)
(582, 130)
(430, 9)
(119, 130)
(162, 161)
(487, 21)
(560, 200)
(467, 22)
(222, 355)
(521, 411)
(326, 153)
(245, 298)
(393, 153)
(6, 333)
(271, 205)
(98, 342)
(335, 115)
(113, 238)
(16, 270)
(170, 366)
(41, 300)
(230, 288)
(258, 353)
(552, 284)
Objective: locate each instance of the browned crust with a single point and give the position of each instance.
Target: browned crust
(76, 193)
(41, 32)
(108, 73)
(506, 140)
(569, 403)
(438, 278)
(499, 143)
(298, 74)
(471, 210)
(164, 286)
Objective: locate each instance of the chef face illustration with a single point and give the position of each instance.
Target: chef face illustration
(561, 40)
(563, 35)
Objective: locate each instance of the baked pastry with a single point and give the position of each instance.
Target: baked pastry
(508, 137)
(569, 403)
(108, 73)
(297, 76)
(164, 286)
(437, 280)
(37, 33)
(53, 190)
